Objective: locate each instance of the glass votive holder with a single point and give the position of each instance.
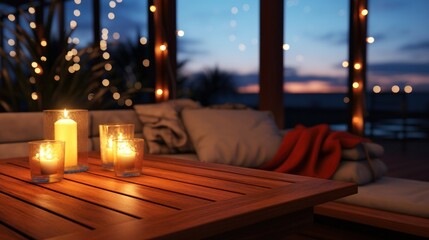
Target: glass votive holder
(109, 133)
(72, 127)
(128, 157)
(46, 159)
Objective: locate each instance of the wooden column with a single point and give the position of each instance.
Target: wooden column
(165, 49)
(357, 65)
(271, 59)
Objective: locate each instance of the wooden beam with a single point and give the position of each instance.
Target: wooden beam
(357, 66)
(271, 59)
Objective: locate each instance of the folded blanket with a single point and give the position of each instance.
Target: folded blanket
(360, 172)
(363, 151)
(314, 151)
(163, 129)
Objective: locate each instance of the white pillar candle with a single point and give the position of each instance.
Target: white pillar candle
(66, 130)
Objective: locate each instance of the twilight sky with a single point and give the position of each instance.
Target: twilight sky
(225, 33)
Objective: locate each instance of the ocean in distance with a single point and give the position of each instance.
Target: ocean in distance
(413, 102)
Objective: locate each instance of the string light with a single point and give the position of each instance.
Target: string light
(357, 66)
(180, 33)
(364, 12)
(11, 17)
(146, 62)
(395, 88)
(76, 12)
(152, 8)
(159, 92)
(143, 40)
(105, 82)
(73, 24)
(376, 89)
(370, 40)
(286, 46)
(128, 102)
(34, 96)
(408, 89)
(355, 85)
(108, 67)
(11, 42)
(31, 10)
(116, 95)
(345, 64)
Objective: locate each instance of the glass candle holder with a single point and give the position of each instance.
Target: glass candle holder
(109, 133)
(70, 126)
(46, 159)
(128, 157)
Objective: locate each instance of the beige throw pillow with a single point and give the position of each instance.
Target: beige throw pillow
(245, 138)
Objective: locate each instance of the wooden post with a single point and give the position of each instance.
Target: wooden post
(357, 66)
(165, 49)
(271, 59)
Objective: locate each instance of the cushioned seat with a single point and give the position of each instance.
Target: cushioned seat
(394, 195)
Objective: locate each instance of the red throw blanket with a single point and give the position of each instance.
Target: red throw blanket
(313, 151)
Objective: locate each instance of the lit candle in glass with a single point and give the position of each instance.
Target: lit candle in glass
(108, 134)
(125, 156)
(48, 159)
(66, 130)
(128, 157)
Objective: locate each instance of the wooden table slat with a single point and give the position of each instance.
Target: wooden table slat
(202, 192)
(118, 202)
(217, 174)
(8, 234)
(225, 168)
(34, 221)
(88, 214)
(206, 181)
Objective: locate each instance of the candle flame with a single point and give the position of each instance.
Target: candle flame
(66, 113)
(45, 152)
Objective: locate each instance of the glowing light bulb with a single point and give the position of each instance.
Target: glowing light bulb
(376, 89)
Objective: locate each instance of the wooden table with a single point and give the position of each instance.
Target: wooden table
(173, 199)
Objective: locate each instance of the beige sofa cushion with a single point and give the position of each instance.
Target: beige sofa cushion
(245, 138)
(395, 195)
(21, 127)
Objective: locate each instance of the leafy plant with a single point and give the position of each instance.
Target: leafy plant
(206, 86)
(48, 72)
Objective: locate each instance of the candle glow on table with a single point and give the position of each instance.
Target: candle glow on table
(66, 130)
(48, 159)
